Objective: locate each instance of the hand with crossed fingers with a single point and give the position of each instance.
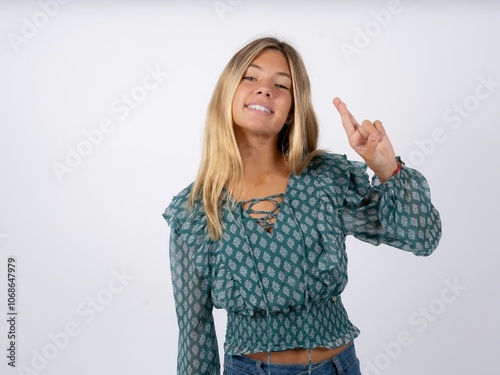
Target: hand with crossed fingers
(370, 141)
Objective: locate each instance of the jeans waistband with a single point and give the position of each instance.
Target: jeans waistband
(340, 362)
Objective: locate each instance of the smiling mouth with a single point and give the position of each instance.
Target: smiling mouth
(259, 107)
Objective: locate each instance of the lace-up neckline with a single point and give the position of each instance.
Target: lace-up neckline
(265, 218)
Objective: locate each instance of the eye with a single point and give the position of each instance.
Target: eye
(249, 78)
(281, 86)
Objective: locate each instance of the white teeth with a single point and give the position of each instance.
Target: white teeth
(259, 108)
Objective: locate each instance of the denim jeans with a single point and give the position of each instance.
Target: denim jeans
(345, 363)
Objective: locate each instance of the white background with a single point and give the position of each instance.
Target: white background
(70, 234)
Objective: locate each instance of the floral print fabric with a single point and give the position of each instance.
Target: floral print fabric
(282, 288)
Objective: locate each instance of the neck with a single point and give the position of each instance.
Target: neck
(261, 158)
(265, 170)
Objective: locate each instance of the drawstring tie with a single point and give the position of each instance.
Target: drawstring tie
(261, 284)
(273, 215)
(307, 302)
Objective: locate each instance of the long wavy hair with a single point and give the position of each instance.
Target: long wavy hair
(221, 165)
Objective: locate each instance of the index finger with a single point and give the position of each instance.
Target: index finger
(348, 120)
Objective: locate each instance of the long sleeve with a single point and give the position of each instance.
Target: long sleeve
(398, 213)
(197, 347)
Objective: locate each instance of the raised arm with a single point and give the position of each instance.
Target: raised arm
(398, 212)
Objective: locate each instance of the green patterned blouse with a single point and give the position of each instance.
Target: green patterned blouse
(282, 288)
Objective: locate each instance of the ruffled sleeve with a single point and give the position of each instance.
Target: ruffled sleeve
(197, 341)
(398, 212)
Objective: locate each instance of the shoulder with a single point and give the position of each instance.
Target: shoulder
(338, 176)
(178, 211)
(188, 224)
(335, 166)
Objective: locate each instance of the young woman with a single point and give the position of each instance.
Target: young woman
(261, 231)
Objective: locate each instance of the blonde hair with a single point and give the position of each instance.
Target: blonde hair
(221, 163)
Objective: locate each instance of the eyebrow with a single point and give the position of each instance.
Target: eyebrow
(279, 73)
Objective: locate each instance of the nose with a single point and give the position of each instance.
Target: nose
(264, 92)
(265, 88)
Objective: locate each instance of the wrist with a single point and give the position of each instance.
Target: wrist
(391, 170)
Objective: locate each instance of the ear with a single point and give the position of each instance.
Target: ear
(289, 119)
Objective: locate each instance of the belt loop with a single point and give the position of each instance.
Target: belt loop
(336, 365)
(259, 366)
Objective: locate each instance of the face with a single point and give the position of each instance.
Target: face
(263, 98)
